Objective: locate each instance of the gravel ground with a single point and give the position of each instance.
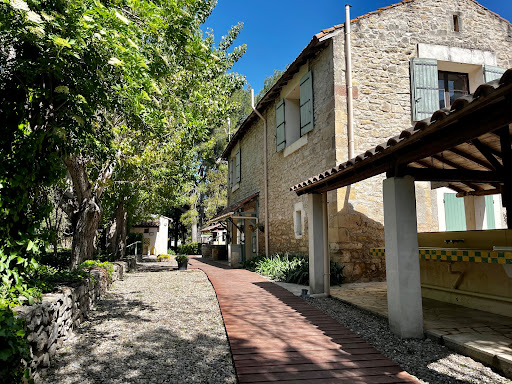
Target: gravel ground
(153, 327)
(428, 361)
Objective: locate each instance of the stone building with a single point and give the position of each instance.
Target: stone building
(408, 60)
(155, 235)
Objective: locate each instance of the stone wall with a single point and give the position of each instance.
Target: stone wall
(53, 320)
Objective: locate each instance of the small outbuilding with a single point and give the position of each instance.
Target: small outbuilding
(155, 234)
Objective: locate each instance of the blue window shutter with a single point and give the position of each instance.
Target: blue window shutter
(237, 167)
(454, 213)
(230, 173)
(280, 126)
(492, 73)
(306, 103)
(424, 88)
(489, 212)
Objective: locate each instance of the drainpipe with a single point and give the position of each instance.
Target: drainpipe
(265, 178)
(348, 80)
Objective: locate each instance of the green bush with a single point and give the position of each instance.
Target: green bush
(189, 249)
(46, 278)
(87, 264)
(61, 260)
(13, 347)
(171, 252)
(290, 268)
(251, 264)
(181, 258)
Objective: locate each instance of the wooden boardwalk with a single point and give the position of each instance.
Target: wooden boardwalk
(277, 337)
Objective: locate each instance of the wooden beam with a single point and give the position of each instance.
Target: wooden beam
(484, 192)
(472, 158)
(455, 175)
(451, 164)
(489, 154)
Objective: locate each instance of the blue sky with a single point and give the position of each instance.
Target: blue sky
(277, 31)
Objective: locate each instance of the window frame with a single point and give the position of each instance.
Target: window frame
(446, 89)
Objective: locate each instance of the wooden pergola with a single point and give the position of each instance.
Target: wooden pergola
(467, 147)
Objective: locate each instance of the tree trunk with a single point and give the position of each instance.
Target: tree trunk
(85, 225)
(85, 231)
(194, 231)
(117, 234)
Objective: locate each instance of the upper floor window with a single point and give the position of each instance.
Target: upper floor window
(235, 169)
(452, 85)
(433, 89)
(294, 113)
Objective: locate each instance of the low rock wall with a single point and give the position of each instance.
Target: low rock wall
(52, 320)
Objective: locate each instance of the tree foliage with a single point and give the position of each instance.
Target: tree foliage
(111, 83)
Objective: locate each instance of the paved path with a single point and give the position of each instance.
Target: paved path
(277, 337)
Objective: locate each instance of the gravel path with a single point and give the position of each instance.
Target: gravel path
(153, 327)
(428, 361)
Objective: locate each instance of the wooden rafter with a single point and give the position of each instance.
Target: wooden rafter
(471, 158)
(455, 175)
(489, 153)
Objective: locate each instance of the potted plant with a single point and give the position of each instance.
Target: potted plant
(182, 262)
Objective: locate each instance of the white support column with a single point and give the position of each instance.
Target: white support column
(405, 311)
(316, 243)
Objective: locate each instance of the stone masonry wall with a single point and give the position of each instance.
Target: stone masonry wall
(52, 321)
(382, 45)
(314, 157)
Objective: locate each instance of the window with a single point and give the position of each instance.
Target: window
(432, 89)
(456, 26)
(452, 85)
(298, 223)
(234, 169)
(298, 220)
(294, 113)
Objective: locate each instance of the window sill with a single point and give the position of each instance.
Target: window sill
(235, 187)
(296, 145)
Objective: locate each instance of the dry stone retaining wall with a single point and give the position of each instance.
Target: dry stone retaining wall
(52, 320)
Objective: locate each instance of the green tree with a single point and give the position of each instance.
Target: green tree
(105, 82)
(269, 82)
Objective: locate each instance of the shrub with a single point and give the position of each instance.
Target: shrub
(88, 264)
(290, 268)
(163, 258)
(13, 347)
(60, 260)
(171, 252)
(189, 249)
(251, 264)
(181, 258)
(46, 278)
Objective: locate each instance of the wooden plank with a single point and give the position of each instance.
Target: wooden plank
(277, 337)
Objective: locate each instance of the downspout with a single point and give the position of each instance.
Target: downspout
(265, 178)
(348, 79)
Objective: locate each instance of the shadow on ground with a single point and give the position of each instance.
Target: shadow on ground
(136, 350)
